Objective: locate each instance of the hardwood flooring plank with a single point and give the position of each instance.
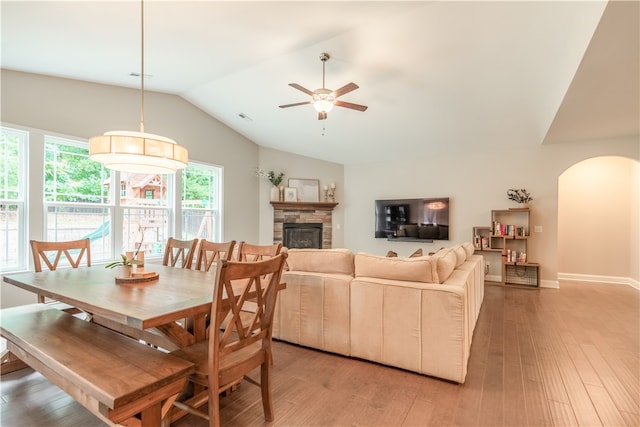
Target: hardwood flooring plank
(606, 408)
(623, 400)
(514, 403)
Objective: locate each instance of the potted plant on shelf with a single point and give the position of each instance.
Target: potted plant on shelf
(520, 196)
(274, 179)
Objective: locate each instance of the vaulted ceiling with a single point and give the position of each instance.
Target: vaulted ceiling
(436, 75)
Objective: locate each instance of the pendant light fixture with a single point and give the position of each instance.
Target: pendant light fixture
(139, 152)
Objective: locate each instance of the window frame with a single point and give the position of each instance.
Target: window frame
(23, 194)
(34, 213)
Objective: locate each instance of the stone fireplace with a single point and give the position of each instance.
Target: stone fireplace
(308, 224)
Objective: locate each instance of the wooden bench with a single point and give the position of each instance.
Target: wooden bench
(116, 378)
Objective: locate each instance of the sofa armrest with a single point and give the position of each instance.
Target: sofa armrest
(313, 311)
(418, 326)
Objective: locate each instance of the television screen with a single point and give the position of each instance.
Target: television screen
(412, 219)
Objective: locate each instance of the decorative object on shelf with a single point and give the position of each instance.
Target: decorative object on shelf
(138, 152)
(521, 196)
(290, 194)
(281, 196)
(270, 176)
(308, 190)
(330, 193)
(274, 179)
(275, 194)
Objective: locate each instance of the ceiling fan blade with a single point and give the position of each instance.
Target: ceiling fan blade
(303, 89)
(345, 89)
(322, 115)
(350, 105)
(294, 105)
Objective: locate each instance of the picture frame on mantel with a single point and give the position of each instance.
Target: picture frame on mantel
(290, 194)
(308, 190)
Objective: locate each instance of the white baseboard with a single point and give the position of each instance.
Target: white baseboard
(612, 280)
(550, 284)
(493, 278)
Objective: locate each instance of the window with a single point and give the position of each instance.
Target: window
(76, 197)
(201, 187)
(13, 224)
(118, 212)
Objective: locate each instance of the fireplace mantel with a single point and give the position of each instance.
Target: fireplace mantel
(304, 206)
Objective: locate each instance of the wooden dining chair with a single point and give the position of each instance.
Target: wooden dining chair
(74, 251)
(209, 252)
(179, 250)
(240, 346)
(248, 252)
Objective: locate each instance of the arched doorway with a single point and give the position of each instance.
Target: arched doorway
(598, 235)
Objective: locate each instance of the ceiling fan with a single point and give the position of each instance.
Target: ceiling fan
(324, 99)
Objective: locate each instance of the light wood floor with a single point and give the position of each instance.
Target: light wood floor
(539, 357)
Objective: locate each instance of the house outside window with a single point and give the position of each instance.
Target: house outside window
(13, 223)
(146, 220)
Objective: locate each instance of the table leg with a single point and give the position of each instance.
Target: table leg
(10, 363)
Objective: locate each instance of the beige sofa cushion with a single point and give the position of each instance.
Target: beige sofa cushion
(418, 269)
(445, 263)
(468, 248)
(331, 261)
(461, 255)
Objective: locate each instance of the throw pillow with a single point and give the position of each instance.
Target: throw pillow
(421, 269)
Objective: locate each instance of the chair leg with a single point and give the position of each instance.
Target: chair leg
(265, 386)
(214, 407)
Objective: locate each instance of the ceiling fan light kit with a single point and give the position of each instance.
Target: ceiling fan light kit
(324, 99)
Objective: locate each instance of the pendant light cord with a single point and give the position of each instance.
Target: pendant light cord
(142, 66)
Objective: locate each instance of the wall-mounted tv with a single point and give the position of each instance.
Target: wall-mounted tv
(412, 219)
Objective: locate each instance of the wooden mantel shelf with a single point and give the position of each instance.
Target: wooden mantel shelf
(304, 206)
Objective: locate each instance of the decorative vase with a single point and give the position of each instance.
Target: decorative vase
(275, 194)
(523, 205)
(124, 271)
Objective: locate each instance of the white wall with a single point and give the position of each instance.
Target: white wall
(476, 182)
(598, 197)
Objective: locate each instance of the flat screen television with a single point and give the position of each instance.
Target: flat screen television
(412, 219)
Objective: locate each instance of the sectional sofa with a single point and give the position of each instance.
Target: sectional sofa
(417, 314)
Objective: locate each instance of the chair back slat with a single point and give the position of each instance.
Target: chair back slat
(179, 252)
(236, 284)
(248, 252)
(74, 252)
(210, 252)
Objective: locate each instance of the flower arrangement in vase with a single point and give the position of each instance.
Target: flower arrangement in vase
(274, 179)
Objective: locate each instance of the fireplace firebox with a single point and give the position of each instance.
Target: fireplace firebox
(302, 235)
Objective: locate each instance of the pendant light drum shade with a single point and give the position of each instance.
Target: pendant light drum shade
(138, 152)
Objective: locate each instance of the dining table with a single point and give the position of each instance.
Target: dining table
(168, 311)
(151, 310)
